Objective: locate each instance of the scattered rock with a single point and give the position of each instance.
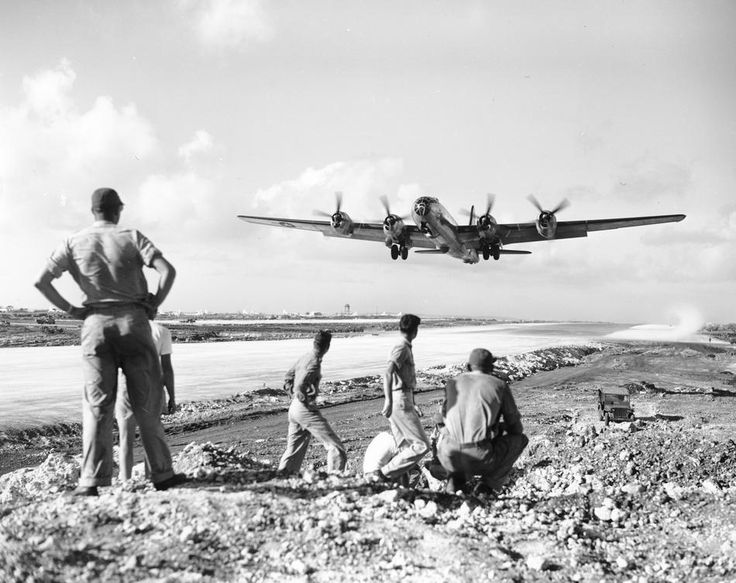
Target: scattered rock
(602, 513)
(538, 563)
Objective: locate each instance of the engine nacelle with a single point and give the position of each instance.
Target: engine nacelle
(547, 225)
(487, 226)
(393, 227)
(341, 223)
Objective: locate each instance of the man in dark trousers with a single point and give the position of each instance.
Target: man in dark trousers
(106, 261)
(302, 381)
(474, 441)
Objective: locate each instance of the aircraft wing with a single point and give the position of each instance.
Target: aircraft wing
(361, 231)
(527, 232)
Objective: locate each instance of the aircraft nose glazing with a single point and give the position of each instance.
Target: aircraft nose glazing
(420, 209)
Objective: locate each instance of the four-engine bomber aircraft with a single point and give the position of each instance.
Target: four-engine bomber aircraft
(437, 232)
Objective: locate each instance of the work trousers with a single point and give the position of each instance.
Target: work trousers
(491, 462)
(126, 430)
(408, 433)
(120, 337)
(304, 422)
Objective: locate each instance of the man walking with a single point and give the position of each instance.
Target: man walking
(106, 261)
(302, 381)
(124, 411)
(474, 441)
(399, 384)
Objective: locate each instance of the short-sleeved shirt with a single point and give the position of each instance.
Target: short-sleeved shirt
(106, 261)
(161, 338)
(304, 377)
(404, 375)
(474, 404)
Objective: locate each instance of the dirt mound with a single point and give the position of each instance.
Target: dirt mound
(586, 502)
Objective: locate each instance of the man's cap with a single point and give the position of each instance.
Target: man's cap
(480, 358)
(105, 198)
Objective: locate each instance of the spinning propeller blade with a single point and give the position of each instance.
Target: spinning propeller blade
(384, 201)
(338, 205)
(564, 203)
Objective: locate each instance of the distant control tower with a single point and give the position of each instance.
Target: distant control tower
(346, 310)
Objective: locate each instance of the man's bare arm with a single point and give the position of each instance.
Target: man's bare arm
(167, 275)
(168, 381)
(388, 387)
(510, 414)
(289, 381)
(45, 285)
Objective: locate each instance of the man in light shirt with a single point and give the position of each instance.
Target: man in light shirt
(399, 384)
(483, 434)
(305, 419)
(106, 261)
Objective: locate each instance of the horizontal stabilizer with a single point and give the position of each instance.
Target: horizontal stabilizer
(514, 252)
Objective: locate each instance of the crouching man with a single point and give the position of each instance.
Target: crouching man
(474, 442)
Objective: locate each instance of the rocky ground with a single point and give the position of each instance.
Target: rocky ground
(651, 500)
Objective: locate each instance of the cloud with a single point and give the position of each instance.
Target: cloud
(302, 254)
(53, 154)
(184, 200)
(201, 143)
(228, 24)
(362, 182)
(47, 94)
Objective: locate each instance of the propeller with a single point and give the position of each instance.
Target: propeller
(390, 217)
(485, 221)
(563, 205)
(490, 199)
(384, 202)
(336, 217)
(547, 221)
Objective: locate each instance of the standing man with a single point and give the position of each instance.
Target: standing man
(162, 341)
(399, 384)
(124, 410)
(475, 442)
(106, 261)
(302, 382)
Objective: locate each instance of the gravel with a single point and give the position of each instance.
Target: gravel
(647, 501)
(570, 510)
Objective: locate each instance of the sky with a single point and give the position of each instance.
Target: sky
(196, 111)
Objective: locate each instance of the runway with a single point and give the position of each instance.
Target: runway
(43, 385)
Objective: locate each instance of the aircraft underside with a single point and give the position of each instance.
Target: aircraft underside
(435, 231)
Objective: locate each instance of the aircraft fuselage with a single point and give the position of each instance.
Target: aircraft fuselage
(437, 223)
